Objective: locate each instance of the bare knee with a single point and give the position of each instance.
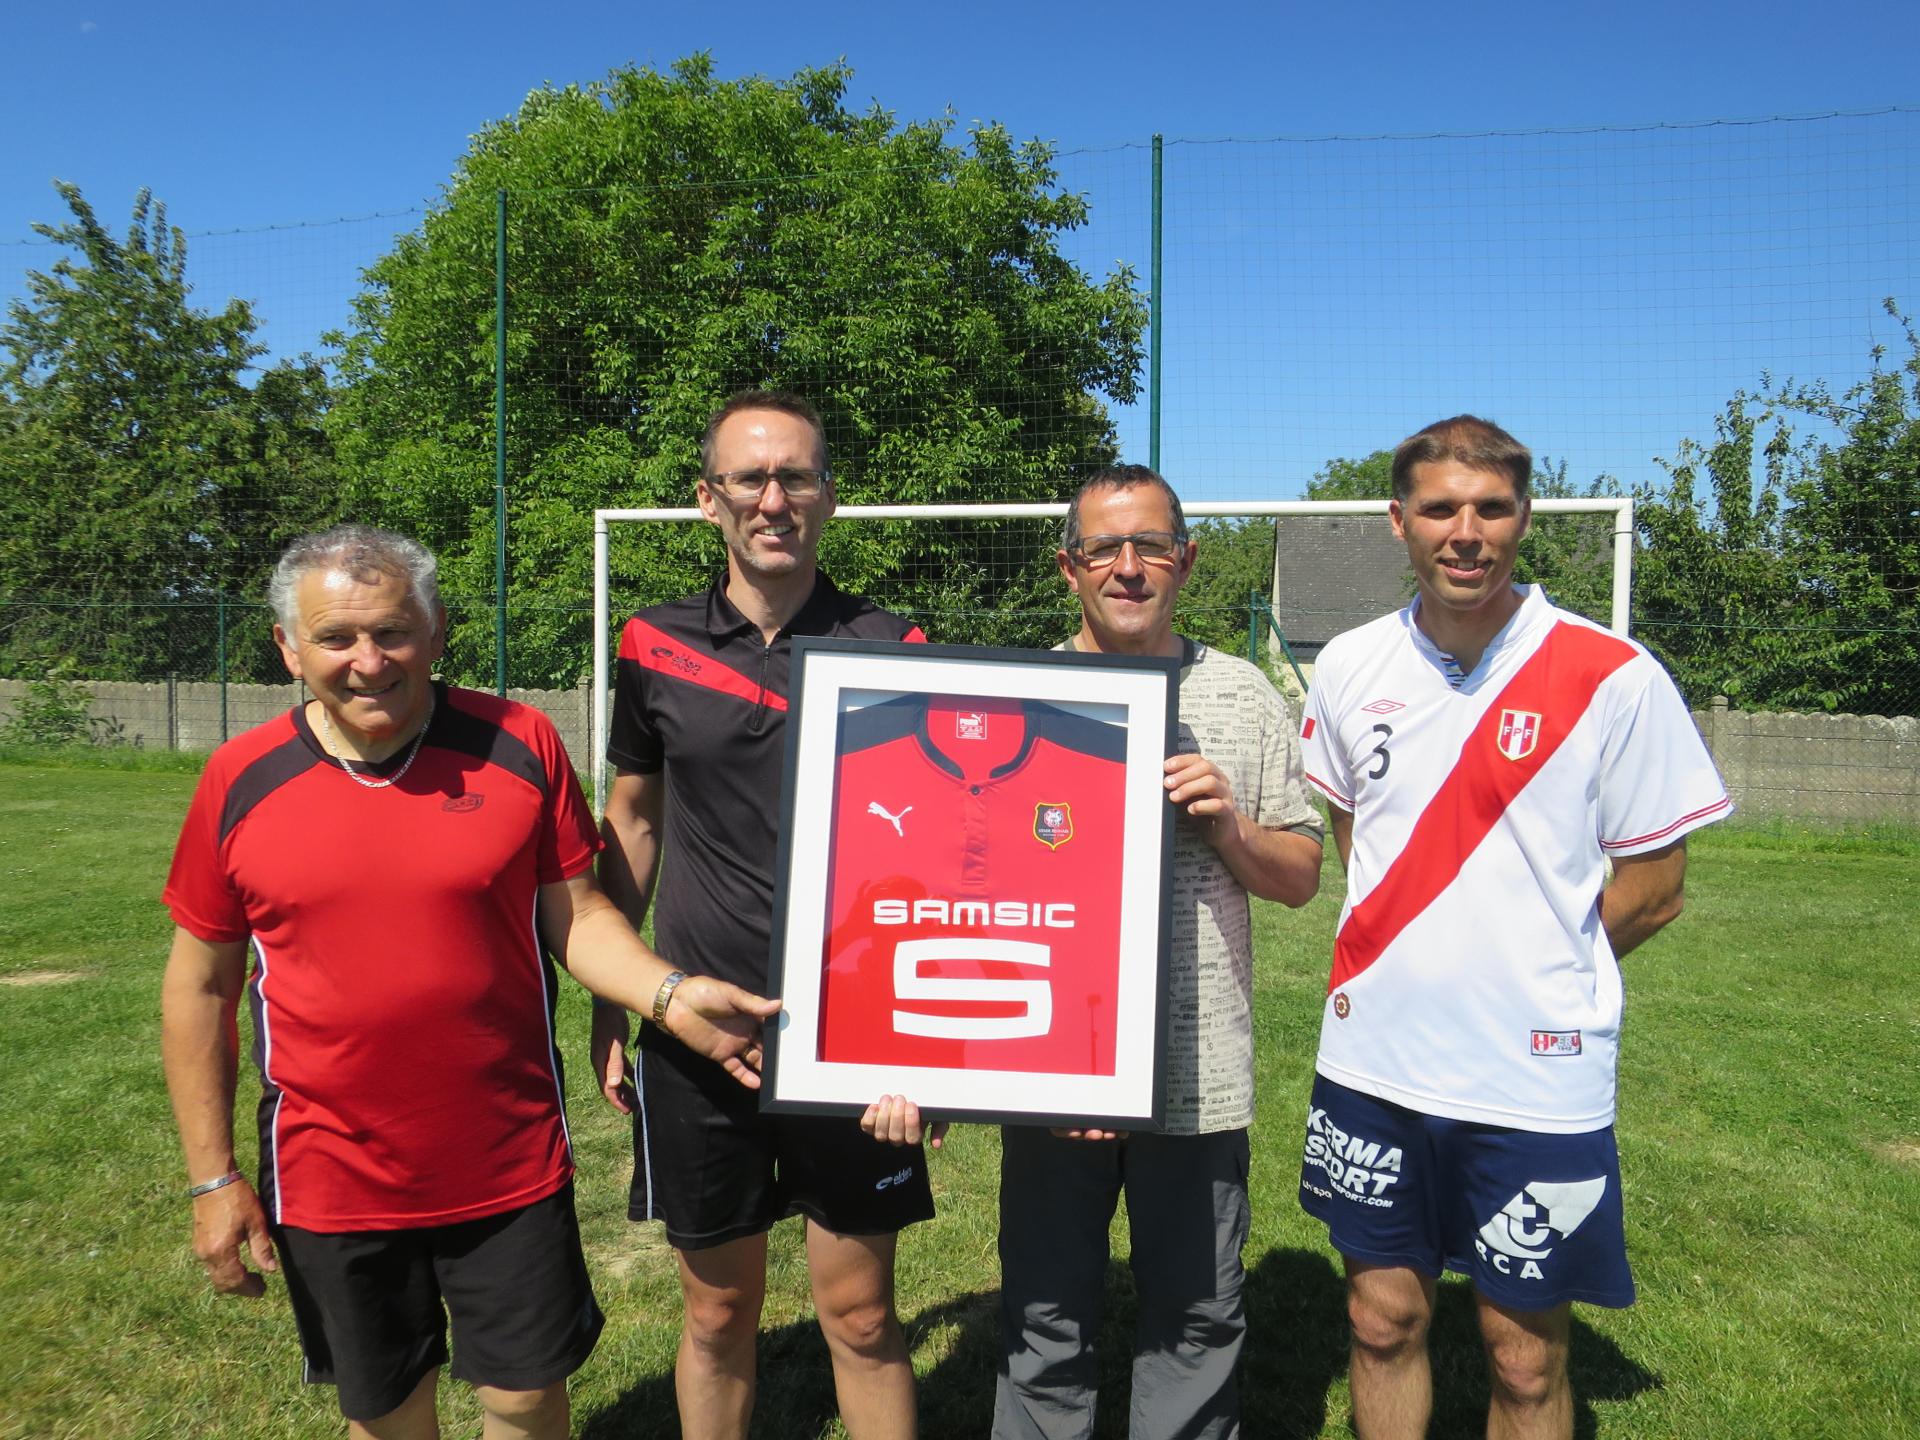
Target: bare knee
(1388, 1321)
(1526, 1356)
(722, 1319)
(530, 1412)
(1526, 1373)
(864, 1327)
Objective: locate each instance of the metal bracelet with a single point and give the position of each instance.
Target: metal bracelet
(664, 994)
(207, 1187)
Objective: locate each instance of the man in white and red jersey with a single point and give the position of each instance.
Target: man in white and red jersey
(1484, 755)
(398, 854)
(698, 743)
(1246, 827)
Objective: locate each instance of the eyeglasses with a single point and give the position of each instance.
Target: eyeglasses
(1153, 547)
(797, 484)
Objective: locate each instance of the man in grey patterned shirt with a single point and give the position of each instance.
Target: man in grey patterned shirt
(1246, 827)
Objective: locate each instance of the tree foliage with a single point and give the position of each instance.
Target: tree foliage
(141, 473)
(673, 238)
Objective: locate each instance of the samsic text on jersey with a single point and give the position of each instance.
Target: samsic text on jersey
(974, 887)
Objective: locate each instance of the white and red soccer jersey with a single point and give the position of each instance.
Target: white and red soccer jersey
(1471, 975)
(403, 1013)
(974, 888)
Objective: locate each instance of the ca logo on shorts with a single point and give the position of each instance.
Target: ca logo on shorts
(1529, 1224)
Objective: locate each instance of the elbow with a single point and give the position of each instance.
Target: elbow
(1301, 886)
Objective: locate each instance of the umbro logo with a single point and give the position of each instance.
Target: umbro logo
(874, 807)
(1384, 707)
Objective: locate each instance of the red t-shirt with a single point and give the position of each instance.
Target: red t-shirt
(974, 887)
(403, 1010)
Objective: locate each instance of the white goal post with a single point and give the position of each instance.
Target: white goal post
(1620, 509)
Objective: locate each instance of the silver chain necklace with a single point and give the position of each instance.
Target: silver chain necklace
(326, 725)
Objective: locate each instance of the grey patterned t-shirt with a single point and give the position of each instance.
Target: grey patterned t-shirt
(1230, 713)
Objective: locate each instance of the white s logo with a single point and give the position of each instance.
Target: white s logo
(910, 984)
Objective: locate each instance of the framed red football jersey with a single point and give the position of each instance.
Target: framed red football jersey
(971, 897)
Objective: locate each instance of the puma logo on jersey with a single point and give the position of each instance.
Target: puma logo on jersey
(874, 807)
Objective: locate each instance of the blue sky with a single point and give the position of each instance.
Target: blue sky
(242, 117)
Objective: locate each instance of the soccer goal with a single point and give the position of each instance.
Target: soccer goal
(984, 574)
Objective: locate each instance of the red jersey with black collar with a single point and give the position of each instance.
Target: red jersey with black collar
(403, 1010)
(1472, 977)
(699, 694)
(973, 887)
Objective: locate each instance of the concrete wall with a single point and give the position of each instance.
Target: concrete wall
(1843, 768)
(1846, 768)
(186, 715)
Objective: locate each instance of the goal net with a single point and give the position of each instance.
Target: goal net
(1275, 580)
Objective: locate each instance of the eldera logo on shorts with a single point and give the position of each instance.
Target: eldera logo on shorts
(1359, 1169)
(899, 1177)
(1524, 1232)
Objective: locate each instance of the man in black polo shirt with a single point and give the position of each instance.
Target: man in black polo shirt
(697, 746)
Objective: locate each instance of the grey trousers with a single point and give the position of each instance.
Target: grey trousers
(1187, 1217)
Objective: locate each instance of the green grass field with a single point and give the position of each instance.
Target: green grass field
(1770, 1131)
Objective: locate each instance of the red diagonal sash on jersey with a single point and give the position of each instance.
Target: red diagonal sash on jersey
(1557, 682)
(653, 649)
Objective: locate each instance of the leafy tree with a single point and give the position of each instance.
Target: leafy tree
(1710, 591)
(141, 473)
(1369, 478)
(1235, 561)
(1852, 532)
(1782, 569)
(674, 238)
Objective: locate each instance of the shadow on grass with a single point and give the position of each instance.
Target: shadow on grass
(1296, 1352)
(1601, 1370)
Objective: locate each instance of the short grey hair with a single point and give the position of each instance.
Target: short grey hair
(1120, 477)
(362, 552)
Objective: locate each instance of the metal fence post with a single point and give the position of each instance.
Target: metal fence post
(220, 613)
(500, 441)
(1154, 313)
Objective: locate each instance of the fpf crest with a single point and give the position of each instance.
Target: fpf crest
(1519, 733)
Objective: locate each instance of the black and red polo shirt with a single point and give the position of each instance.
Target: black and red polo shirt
(699, 694)
(403, 1010)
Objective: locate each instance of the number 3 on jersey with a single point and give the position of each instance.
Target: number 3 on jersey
(1382, 757)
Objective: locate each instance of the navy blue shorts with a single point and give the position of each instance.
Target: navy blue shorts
(1533, 1219)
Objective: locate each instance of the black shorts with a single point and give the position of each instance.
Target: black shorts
(714, 1169)
(372, 1305)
